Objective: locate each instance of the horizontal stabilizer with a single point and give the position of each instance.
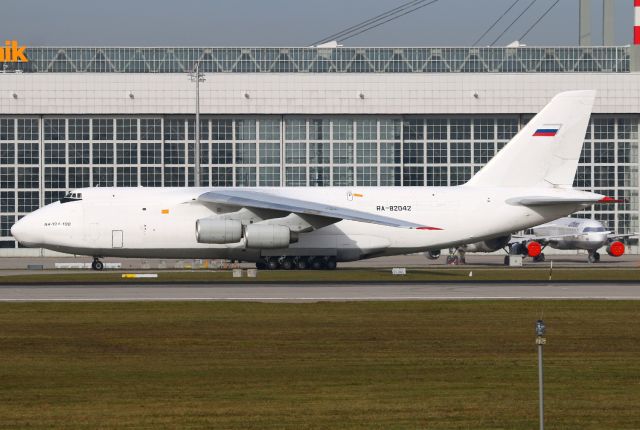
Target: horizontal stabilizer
(552, 201)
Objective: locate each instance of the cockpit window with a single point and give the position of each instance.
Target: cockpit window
(593, 229)
(71, 197)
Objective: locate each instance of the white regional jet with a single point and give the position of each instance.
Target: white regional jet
(563, 233)
(527, 183)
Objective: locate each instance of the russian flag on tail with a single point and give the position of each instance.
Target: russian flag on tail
(547, 130)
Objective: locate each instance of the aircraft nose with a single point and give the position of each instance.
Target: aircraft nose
(24, 231)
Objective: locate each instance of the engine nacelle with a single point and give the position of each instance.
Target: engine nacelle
(433, 254)
(615, 249)
(533, 248)
(211, 230)
(268, 236)
(488, 245)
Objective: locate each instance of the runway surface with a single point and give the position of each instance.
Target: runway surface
(319, 292)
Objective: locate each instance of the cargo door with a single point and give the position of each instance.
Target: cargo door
(117, 238)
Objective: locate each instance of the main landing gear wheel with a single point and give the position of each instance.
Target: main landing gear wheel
(97, 264)
(302, 264)
(594, 258)
(273, 264)
(261, 265)
(287, 263)
(539, 258)
(331, 263)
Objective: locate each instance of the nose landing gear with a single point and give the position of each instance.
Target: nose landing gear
(97, 264)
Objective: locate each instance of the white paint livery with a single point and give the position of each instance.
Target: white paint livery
(526, 184)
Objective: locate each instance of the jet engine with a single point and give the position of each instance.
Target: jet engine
(533, 248)
(433, 254)
(269, 236)
(615, 249)
(211, 230)
(488, 245)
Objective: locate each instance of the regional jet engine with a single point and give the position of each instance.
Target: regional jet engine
(488, 245)
(211, 230)
(269, 236)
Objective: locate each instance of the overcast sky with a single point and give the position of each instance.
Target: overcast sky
(292, 22)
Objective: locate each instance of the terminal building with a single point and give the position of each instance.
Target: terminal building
(313, 117)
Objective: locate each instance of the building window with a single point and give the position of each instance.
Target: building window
(127, 176)
(460, 152)
(174, 129)
(245, 129)
(28, 153)
(319, 153)
(389, 152)
(319, 129)
(269, 129)
(413, 153)
(390, 176)
(221, 177)
(604, 152)
(221, 153)
(7, 153)
(6, 222)
(506, 128)
(343, 176)
(151, 176)
(460, 175)
(296, 176)
(367, 129)
(319, 176)
(174, 153)
(413, 176)
(7, 201)
(28, 129)
(102, 152)
(343, 152)
(603, 128)
(127, 129)
(127, 153)
(483, 129)
(483, 152)
(585, 154)
(7, 129)
(174, 177)
(437, 129)
(55, 153)
(413, 129)
(53, 196)
(367, 176)
(55, 129)
(296, 129)
(78, 129)
(151, 153)
(269, 153)
(7, 177)
(437, 176)
(55, 177)
(103, 176)
(245, 176)
(366, 152)
(78, 153)
(583, 177)
(103, 129)
(150, 129)
(295, 152)
(28, 201)
(343, 129)
(221, 129)
(390, 129)
(460, 129)
(79, 177)
(245, 153)
(28, 177)
(269, 176)
(436, 152)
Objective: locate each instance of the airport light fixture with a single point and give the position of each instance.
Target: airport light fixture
(541, 329)
(197, 77)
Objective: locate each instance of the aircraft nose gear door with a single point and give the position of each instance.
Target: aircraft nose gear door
(116, 238)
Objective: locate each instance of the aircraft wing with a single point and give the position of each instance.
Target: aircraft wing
(621, 236)
(255, 199)
(544, 240)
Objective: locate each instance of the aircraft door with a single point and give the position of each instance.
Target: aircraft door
(117, 238)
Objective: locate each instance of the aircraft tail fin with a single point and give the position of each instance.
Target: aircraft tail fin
(546, 151)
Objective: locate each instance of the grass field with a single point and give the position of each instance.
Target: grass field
(345, 275)
(364, 365)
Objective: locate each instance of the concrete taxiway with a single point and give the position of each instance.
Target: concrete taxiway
(322, 292)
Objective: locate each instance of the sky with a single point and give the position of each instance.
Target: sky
(294, 22)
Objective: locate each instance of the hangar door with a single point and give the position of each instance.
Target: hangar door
(116, 238)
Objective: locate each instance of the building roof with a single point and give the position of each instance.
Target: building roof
(325, 60)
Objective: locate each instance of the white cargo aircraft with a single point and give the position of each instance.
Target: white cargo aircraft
(527, 183)
(564, 233)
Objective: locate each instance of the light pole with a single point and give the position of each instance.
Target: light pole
(541, 341)
(197, 77)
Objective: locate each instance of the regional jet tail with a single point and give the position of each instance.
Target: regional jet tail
(527, 183)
